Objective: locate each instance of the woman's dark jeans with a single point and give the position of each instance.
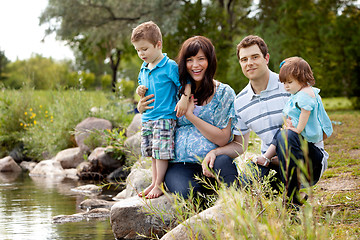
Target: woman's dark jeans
(180, 177)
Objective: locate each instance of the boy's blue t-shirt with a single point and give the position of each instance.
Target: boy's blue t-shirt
(163, 82)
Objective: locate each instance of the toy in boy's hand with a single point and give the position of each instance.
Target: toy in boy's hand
(141, 90)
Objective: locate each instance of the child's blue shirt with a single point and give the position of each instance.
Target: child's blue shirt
(318, 121)
(163, 82)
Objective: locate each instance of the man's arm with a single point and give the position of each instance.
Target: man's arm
(233, 149)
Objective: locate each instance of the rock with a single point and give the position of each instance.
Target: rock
(95, 213)
(138, 180)
(119, 174)
(9, 177)
(103, 162)
(133, 143)
(17, 153)
(69, 158)
(134, 126)
(190, 229)
(88, 126)
(71, 173)
(27, 166)
(48, 168)
(8, 164)
(96, 203)
(132, 216)
(88, 189)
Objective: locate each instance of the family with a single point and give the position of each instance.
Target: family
(194, 125)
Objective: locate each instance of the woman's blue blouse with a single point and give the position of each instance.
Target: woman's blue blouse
(190, 145)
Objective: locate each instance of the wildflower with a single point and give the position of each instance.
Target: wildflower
(25, 113)
(30, 109)
(21, 124)
(34, 122)
(40, 106)
(46, 112)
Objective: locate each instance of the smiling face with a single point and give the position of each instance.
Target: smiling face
(253, 63)
(148, 52)
(196, 66)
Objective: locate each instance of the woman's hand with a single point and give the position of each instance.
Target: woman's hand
(144, 102)
(208, 164)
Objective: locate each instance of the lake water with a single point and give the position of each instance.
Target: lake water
(28, 204)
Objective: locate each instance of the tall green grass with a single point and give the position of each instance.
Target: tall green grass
(44, 121)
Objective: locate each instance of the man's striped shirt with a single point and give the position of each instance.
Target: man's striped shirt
(261, 113)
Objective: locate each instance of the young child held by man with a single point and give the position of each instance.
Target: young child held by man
(305, 115)
(158, 75)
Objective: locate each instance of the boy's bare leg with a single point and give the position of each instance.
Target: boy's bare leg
(153, 179)
(161, 167)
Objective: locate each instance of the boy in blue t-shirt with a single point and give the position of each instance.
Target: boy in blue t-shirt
(158, 75)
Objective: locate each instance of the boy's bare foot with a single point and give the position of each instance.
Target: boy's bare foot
(154, 193)
(146, 191)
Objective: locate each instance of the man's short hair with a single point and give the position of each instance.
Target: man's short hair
(148, 31)
(250, 40)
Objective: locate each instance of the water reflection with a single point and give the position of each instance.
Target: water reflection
(28, 204)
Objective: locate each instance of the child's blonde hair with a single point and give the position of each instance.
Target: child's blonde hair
(297, 68)
(148, 31)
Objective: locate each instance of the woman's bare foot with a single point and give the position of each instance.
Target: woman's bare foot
(146, 191)
(154, 193)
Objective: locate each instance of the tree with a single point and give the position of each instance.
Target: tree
(219, 20)
(102, 28)
(3, 62)
(323, 32)
(38, 72)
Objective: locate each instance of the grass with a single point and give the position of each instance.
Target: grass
(44, 121)
(332, 211)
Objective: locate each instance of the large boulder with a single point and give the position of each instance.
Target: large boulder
(133, 216)
(8, 164)
(103, 161)
(134, 126)
(133, 143)
(190, 229)
(88, 126)
(138, 180)
(48, 168)
(70, 158)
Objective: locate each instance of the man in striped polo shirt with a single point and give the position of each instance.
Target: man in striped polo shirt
(258, 106)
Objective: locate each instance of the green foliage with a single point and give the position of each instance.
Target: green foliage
(325, 33)
(126, 88)
(3, 63)
(115, 139)
(105, 82)
(38, 73)
(13, 105)
(44, 120)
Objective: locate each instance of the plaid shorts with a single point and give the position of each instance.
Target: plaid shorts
(157, 139)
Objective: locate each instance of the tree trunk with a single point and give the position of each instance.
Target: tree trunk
(114, 64)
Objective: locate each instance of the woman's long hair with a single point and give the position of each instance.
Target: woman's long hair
(188, 49)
